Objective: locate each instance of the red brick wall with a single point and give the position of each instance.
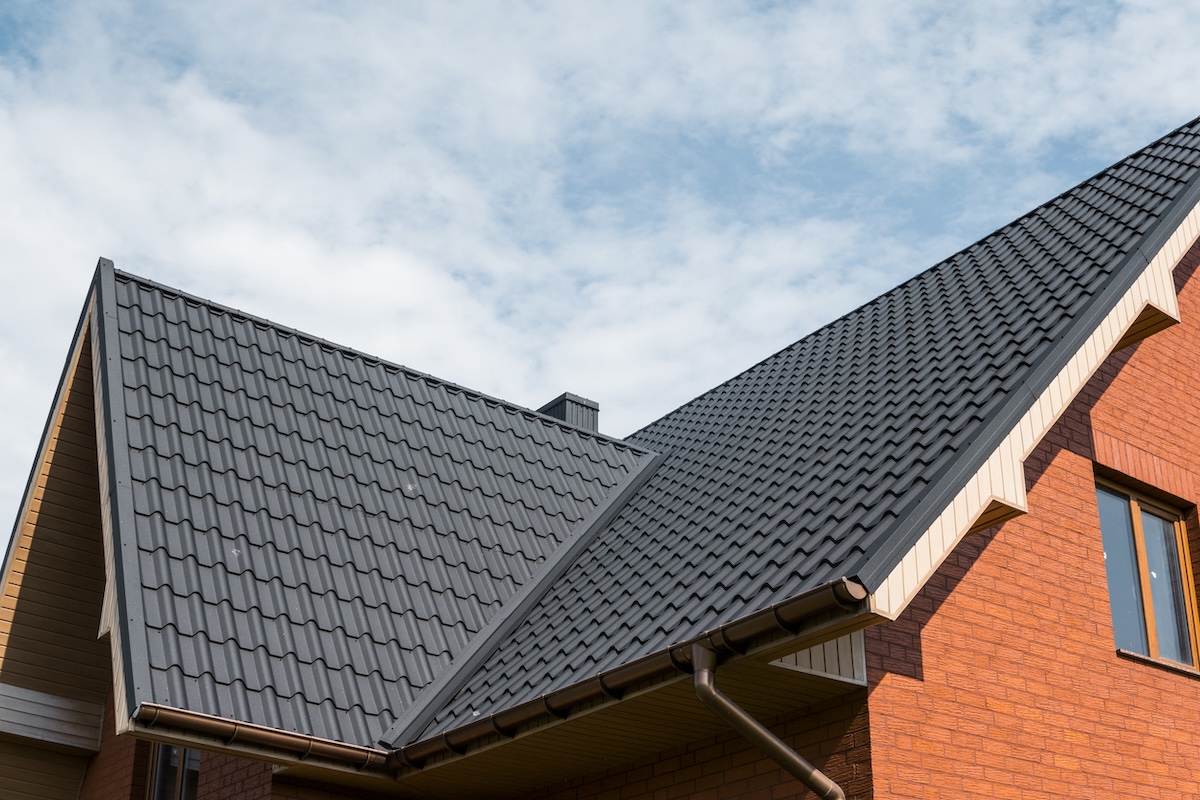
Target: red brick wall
(1001, 680)
(832, 735)
(225, 777)
(118, 771)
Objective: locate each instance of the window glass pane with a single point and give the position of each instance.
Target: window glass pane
(1166, 589)
(191, 775)
(166, 771)
(1120, 562)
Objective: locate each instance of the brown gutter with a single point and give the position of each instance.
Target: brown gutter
(704, 663)
(733, 638)
(297, 746)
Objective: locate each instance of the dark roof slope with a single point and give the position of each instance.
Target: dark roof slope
(309, 535)
(833, 456)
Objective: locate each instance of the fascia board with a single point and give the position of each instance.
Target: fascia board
(1001, 478)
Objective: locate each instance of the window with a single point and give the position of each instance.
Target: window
(1150, 579)
(174, 773)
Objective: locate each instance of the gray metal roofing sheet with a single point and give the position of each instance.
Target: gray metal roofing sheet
(829, 458)
(310, 535)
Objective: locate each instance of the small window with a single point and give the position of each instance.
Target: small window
(1150, 579)
(174, 773)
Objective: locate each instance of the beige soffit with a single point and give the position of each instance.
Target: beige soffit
(997, 491)
(842, 659)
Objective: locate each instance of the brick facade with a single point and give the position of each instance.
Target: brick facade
(118, 771)
(1002, 680)
(225, 777)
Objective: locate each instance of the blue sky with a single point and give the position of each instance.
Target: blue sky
(631, 201)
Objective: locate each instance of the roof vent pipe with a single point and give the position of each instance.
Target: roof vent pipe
(574, 410)
(704, 667)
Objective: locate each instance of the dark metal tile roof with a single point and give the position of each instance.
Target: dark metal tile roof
(831, 457)
(309, 535)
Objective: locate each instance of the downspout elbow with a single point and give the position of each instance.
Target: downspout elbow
(704, 664)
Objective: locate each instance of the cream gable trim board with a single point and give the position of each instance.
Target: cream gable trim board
(109, 624)
(1002, 479)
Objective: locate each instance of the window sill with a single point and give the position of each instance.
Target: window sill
(1162, 663)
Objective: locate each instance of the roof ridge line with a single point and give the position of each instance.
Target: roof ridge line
(956, 254)
(368, 358)
(446, 685)
(911, 521)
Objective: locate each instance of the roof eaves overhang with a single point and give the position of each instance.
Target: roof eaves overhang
(821, 614)
(1140, 300)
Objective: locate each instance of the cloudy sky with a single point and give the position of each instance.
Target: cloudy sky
(629, 201)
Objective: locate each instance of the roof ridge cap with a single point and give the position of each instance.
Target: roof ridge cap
(369, 359)
(434, 695)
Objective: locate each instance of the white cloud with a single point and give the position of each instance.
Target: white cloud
(630, 201)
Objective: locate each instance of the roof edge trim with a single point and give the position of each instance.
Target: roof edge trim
(922, 510)
(116, 491)
(430, 700)
(1000, 479)
(843, 598)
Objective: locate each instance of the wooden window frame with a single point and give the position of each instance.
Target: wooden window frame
(1137, 502)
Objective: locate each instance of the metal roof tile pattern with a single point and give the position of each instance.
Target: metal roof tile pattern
(318, 533)
(822, 461)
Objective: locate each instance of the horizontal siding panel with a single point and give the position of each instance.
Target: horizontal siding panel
(51, 636)
(49, 718)
(71, 530)
(66, 507)
(30, 773)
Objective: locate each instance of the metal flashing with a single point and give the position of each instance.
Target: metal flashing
(417, 716)
(110, 410)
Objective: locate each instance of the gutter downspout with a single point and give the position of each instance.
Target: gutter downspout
(704, 665)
